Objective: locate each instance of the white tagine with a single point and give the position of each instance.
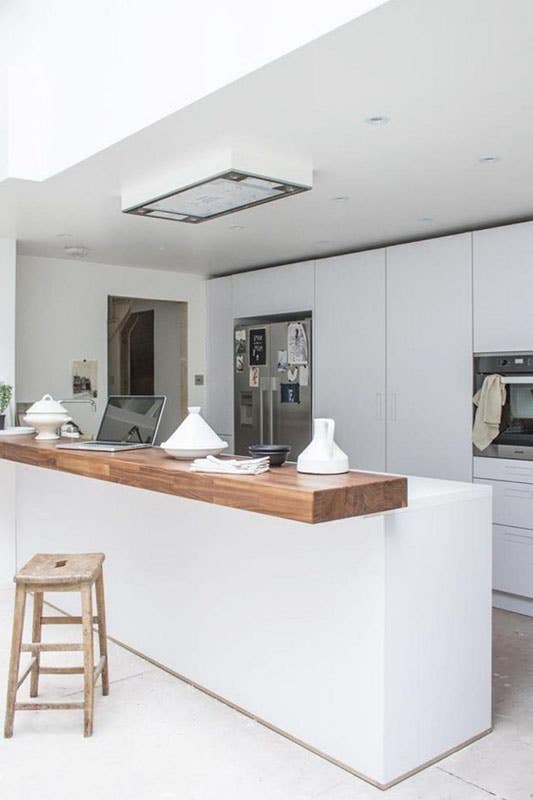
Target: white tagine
(46, 416)
(323, 456)
(194, 438)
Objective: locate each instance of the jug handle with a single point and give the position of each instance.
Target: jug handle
(331, 431)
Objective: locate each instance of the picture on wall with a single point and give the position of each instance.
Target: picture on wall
(85, 377)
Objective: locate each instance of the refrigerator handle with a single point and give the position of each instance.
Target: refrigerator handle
(261, 414)
(273, 386)
(265, 385)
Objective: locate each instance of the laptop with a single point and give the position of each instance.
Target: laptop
(130, 422)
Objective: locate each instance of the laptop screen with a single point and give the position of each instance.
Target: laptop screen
(132, 419)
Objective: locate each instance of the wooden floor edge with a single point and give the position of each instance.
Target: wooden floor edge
(289, 736)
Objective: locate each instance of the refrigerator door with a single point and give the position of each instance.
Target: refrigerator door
(251, 369)
(289, 407)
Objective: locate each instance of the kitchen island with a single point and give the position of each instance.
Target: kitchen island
(361, 632)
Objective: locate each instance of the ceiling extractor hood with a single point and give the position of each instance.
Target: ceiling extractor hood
(243, 183)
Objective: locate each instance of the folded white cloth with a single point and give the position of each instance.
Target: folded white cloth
(231, 466)
(489, 401)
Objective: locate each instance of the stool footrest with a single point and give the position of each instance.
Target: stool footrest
(61, 670)
(48, 706)
(46, 647)
(26, 672)
(64, 620)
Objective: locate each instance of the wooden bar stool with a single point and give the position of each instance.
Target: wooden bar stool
(58, 573)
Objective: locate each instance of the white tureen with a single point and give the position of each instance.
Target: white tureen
(194, 438)
(46, 416)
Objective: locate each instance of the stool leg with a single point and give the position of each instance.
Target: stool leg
(88, 657)
(14, 663)
(102, 631)
(36, 637)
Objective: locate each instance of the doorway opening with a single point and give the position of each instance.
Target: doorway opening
(147, 353)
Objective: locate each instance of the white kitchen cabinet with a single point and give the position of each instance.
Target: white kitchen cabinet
(512, 503)
(349, 353)
(219, 378)
(504, 469)
(513, 560)
(277, 290)
(503, 286)
(429, 358)
(512, 500)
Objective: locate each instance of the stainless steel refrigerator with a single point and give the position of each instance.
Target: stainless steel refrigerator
(273, 382)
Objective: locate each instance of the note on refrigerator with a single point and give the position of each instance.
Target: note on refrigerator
(304, 375)
(296, 343)
(290, 392)
(254, 377)
(282, 360)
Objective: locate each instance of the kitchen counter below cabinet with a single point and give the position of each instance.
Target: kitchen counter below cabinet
(282, 492)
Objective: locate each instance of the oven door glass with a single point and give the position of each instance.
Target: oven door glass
(517, 416)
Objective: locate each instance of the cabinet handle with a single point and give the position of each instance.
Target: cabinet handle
(523, 494)
(379, 407)
(519, 538)
(392, 407)
(519, 472)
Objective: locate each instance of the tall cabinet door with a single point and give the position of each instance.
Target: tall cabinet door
(220, 357)
(503, 286)
(429, 358)
(349, 353)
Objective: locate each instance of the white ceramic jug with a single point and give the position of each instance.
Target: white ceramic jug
(323, 456)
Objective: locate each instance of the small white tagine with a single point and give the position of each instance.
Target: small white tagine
(323, 456)
(194, 438)
(46, 416)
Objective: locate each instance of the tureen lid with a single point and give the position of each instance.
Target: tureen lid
(194, 433)
(47, 405)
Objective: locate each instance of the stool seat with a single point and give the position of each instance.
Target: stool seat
(61, 568)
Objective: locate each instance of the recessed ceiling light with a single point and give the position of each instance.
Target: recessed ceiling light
(236, 227)
(64, 235)
(377, 119)
(76, 252)
(425, 219)
(324, 241)
(488, 159)
(340, 198)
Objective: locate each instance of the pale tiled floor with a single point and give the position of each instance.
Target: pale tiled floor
(157, 738)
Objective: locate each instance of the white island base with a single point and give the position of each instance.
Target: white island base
(367, 640)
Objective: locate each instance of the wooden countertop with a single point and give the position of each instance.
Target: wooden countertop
(281, 492)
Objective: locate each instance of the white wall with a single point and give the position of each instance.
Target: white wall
(129, 63)
(62, 316)
(7, 374)
(4, 126)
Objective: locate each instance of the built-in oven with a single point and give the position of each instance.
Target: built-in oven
(516, 430)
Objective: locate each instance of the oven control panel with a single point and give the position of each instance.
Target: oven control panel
(504, 363)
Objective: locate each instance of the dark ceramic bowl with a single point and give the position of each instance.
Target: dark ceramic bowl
(276, 452)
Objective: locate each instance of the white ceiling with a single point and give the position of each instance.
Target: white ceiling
(453, 76)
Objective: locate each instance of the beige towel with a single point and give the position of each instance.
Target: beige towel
(489, 401)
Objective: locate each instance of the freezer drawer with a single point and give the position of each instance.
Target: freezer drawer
(503, 469)
(513, 560)
(512, 503)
